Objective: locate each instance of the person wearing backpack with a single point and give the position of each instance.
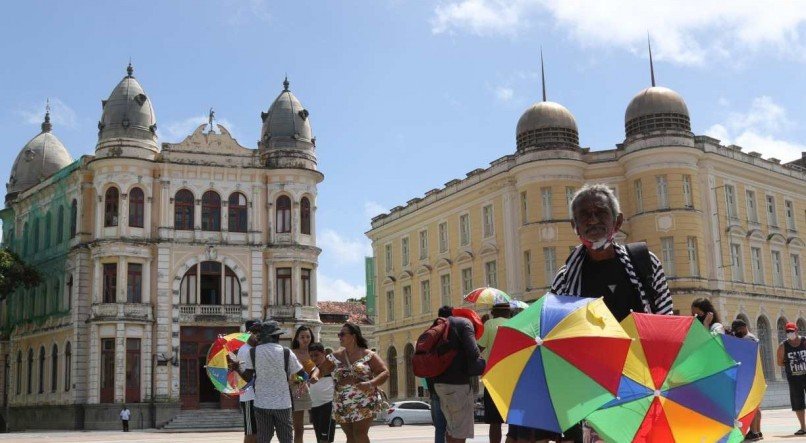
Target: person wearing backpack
(628, 277)
(501, 312)
(272, 366)
(456, 396)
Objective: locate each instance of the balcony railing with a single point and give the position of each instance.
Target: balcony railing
(216, 313)
(122, 311)
(303, 313)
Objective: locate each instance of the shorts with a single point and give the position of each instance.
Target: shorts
(249, 420)
(797, 392)
(456, 402)
(491, 414)
(322, 420)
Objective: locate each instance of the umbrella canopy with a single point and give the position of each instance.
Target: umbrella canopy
(750, 383)
(487, 296)
(225, 380)
(679, 384)
(557, 361)
(518, 304)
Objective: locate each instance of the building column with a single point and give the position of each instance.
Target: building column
(123, 214)
(148, 208)
(296, 287)
(254, 301)
(314, 292)
(271, 286)
(98, 282)
(120, 362)
(146, 282)
(123, 275)
(147, 363)
(512, 245)
(99, 217)
(94, 366)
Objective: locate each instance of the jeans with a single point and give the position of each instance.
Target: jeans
(440, 425)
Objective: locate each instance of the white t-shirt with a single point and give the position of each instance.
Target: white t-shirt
(125, 414)
(243, 355)
(321, 391)
(271, 385)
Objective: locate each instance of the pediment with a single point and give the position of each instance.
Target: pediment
(464, 256)
(755, 234)
(488, 248)
(795, 241)
(220, 142)
(736, 230)
(405, 275)
(389, 280)
(423, 270)
(443, 263)
(776, 238)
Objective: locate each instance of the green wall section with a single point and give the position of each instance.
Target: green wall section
(369, 263)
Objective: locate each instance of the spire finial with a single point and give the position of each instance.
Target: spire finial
(46, 126)
(651, 65)
(542, 73)
(130, 69)
(286, 83)
(210, 119)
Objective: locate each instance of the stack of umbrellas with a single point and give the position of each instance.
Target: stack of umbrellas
(650, 378)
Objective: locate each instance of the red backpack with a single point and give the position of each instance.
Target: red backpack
(433, 352)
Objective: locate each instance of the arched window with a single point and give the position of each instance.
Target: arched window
(283, 218)
(237, 212)
(60, 225)
(183, 210)
(30, 371)
(48, 232)
(136, 208)
(19, 372)
(305, 216)
(111, 200)
(211, 211)
(73, 218)
(763, 334)
(210, 283)
(391, 360)
(411, 385)
(68, 362)
(54, 368)
(41, 369)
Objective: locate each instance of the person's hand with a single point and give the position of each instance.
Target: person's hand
(364, 386)
(313, 379)
(709, 318)
(232, 364)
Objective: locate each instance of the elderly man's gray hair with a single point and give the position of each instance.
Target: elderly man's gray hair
(591, 190)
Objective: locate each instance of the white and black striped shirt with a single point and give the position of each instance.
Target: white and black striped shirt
(568, 280)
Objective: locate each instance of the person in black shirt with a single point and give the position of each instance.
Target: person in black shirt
(792, 356)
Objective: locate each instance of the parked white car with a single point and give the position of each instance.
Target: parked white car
(408, 412)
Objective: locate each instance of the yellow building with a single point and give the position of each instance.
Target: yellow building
(727, 224)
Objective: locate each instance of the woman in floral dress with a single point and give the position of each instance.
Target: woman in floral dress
(357, 372)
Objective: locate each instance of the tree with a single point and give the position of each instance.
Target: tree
(15, 273)
(362, 300)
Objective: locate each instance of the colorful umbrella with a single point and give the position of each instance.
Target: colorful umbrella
(225, 380)
(487, 296)
(750, 383)
(679, 384)
(556, 362)
(518, 304)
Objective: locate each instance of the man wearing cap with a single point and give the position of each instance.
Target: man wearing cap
(500, 314)
(247, 398)
(272, 366)
(792, 356)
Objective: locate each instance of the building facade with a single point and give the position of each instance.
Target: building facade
(148, 252)
(727, 224)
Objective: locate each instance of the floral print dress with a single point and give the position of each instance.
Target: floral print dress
(351, 404)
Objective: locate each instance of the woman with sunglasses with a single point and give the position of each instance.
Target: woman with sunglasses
(358, 372)
(302, 397)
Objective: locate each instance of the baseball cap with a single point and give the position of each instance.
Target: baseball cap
(790, 327)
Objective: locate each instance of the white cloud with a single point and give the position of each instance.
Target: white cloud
(61, 115)
(684, 31)
(337, 289)
(759, 129)
(176, 131)
(372, 209)
(343, 250)
(504, 93)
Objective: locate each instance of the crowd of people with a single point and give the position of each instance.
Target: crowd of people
(343, 387)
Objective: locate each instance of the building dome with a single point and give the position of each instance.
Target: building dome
(547, 125)
(656, 108)
(286, 140)
(40, 158)
(128, 115)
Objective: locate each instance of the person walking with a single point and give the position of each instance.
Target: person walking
(272, 366)
(630, 278)
(125, 415)
(247, 397)
(739, 330)
(322, 399)
(792, 356)
(703, 309)
(302, 398)
(500, 313)
(357, 372)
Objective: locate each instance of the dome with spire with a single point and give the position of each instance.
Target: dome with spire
(128, 114)
(287, 120)
(547, 125)
(656, 108)
(40, 158)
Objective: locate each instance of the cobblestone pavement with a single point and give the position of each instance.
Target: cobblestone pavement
(776, 425)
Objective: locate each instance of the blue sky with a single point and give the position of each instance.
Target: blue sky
(404, 95)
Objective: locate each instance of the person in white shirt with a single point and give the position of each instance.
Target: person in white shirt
(273, 367)
(247, 397)
(125, 414)
(322, 399)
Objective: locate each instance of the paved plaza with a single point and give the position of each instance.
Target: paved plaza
(777, 425)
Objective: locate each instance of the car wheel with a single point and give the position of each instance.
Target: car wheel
(397, 421)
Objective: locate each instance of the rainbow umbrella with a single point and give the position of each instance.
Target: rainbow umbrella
(487, 296)
(518, 304)
(225, 380)
(556, 362)
(750, 384)
(678, 385)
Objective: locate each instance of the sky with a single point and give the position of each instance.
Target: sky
(403, 95)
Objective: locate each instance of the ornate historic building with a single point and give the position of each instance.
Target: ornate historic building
(148, 251)
(727, 224)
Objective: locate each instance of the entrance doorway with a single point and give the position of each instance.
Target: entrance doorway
(196, 389)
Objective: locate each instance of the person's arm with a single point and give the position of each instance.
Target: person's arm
(467, 341)
(295, 369)
(380, 370)
(327, 366)
(780, 356)
(663, 302)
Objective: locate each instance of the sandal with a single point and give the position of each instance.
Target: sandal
(801, 432)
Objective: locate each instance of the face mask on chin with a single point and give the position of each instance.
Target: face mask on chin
(791, 335)
(598, 245)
